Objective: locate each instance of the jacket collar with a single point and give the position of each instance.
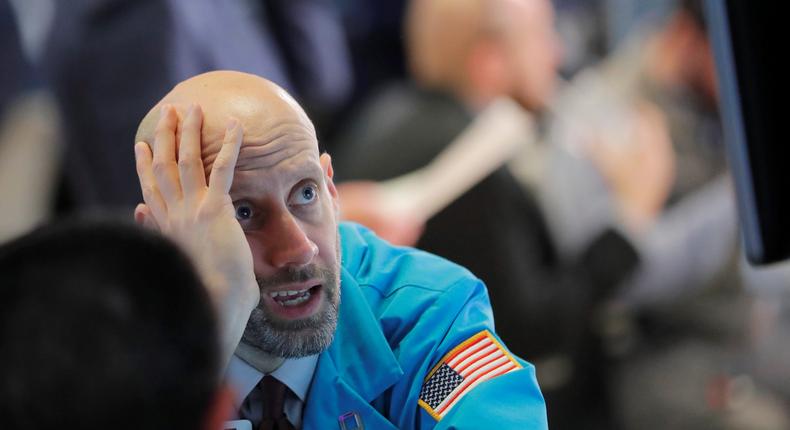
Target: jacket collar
(359, 365)
(360, 351)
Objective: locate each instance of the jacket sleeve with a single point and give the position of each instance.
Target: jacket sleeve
(430, 324)
(510, 401)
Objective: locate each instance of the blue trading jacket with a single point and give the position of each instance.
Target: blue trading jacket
(402, 311)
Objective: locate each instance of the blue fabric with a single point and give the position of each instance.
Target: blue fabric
(401, 311)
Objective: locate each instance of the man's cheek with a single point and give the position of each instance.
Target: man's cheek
(257, 255)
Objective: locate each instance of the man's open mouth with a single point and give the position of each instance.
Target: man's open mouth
(289, 298)
(294, 302)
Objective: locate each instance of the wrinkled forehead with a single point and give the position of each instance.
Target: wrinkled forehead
(274, 125)
(275, 172)
(283, 147)
(272, 133)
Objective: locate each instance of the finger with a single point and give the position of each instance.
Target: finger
(190, 163)
(144, 217)
(151, 195)
(222, 171)
(164, 161)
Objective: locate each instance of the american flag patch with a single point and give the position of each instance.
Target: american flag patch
(477, 359)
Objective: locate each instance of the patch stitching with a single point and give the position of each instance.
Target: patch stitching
(473, 361)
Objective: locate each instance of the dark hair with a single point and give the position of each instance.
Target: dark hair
(103, 325)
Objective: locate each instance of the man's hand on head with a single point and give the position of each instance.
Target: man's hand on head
(199, 216)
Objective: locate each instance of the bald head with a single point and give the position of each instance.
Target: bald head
(439, 35)
(280, 194)
(484, 49)
(267, 113)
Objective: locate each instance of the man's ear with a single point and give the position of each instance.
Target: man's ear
(486, 66)
(329, 173)
(220, 409)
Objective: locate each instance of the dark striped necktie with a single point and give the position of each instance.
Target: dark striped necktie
(273, 402)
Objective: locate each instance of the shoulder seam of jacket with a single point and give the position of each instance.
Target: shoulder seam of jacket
(441, 291)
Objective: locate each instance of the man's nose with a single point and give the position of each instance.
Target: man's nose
(289, 245)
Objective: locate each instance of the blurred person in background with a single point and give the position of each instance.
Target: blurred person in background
(108, 61)
(465, 54)
(91, 341)
(680, 326)
(374, 35)
(30, 142)
(462, 56)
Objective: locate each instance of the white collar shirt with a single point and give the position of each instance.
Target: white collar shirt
(295, 373)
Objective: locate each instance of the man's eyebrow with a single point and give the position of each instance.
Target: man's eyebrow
(305, 170)
(291, 176)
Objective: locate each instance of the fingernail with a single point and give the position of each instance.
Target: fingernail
(163, 110)
(138, 149)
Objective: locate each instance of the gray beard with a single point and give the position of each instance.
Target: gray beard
(301, 338)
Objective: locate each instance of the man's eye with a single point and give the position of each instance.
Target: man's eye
(243, 212)
(305, 195)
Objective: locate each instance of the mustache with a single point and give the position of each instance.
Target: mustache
(294, 275)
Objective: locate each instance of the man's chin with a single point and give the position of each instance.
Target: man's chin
(294, 344)
(292, 338)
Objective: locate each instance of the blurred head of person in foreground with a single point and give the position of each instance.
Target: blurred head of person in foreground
(104, 325)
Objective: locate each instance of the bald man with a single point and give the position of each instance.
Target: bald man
(385, 337)
(463, 55)
(479, 50)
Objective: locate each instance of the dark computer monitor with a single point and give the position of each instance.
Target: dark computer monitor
(749, 42)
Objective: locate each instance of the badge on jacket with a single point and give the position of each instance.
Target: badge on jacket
(350, 421)
(475, 360)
